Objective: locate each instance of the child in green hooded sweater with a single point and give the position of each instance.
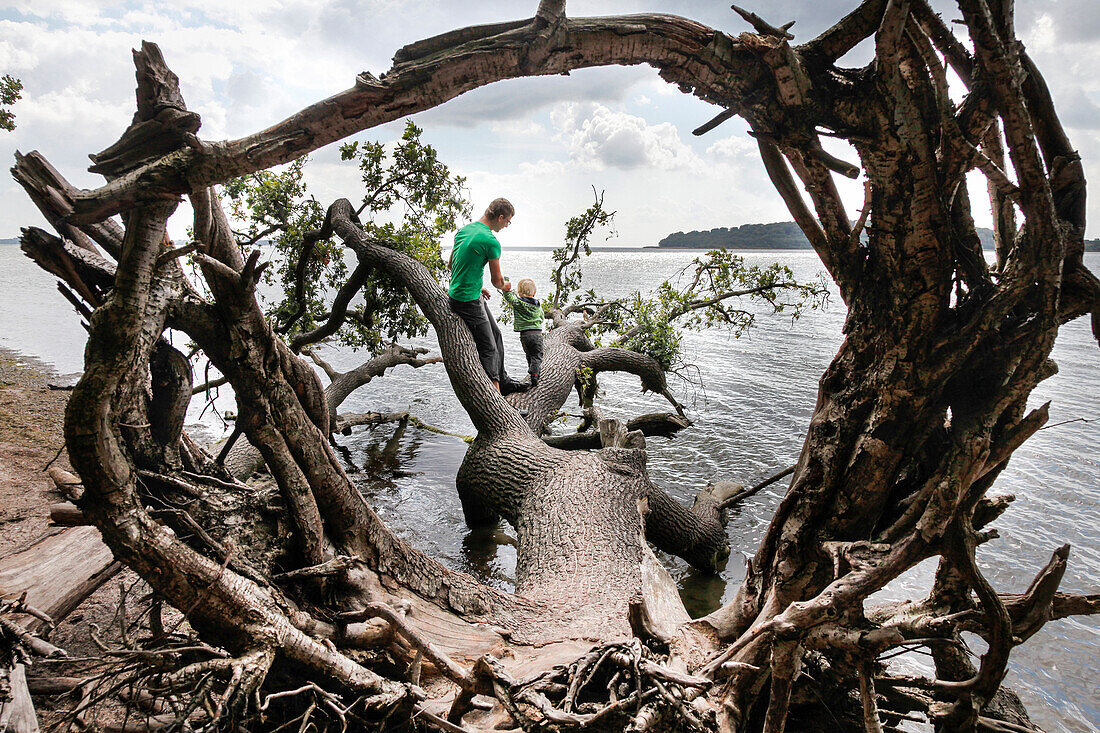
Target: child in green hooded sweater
(527, 317)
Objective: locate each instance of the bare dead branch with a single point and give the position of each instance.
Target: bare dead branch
(842, 37)
(742, 495)
(871, 722)
(761, 26)
(445, 664)
(717, 120)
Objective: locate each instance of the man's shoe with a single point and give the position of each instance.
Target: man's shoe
(508, 386)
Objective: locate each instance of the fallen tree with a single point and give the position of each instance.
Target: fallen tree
(918, 413)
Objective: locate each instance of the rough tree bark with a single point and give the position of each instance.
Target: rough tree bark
(918, 413)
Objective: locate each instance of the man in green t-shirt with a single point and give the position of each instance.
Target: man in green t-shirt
(476, 245)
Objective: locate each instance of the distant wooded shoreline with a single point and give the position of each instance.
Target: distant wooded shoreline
(780, 235)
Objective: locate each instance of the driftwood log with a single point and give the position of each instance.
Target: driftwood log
(41, 584)
(57, 571)
(17, 713)
(916, 416)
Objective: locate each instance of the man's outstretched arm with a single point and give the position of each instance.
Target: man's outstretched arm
(498, 279)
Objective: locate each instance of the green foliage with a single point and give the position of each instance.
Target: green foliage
(643, 325)
(704, 294)
(567, 276)
(274, 206)
(410, 201)
(10, 92)
(584, 377)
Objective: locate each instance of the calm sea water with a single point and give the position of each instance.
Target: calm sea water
(751, 400)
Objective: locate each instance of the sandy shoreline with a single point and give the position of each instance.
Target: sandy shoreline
(31, 425)
(23, 370)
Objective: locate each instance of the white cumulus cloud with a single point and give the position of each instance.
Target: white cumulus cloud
(598, 137)
(732, 149)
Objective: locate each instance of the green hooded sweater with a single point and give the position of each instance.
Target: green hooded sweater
(527, 312)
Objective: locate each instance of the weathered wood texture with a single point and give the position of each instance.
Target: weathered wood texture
(18, 716)
(57, 571)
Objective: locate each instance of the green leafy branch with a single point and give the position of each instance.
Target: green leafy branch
(704, 294)
(567, 276)
(10, 92)
(410, 201)
(715, 284)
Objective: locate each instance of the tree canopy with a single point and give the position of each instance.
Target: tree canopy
(410, 200)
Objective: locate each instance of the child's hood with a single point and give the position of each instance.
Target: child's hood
(526, 299)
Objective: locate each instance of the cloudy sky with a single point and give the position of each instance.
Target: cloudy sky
(543, 143)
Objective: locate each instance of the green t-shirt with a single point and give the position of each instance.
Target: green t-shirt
(475, 245)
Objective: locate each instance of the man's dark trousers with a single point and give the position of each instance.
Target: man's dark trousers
(490, 344)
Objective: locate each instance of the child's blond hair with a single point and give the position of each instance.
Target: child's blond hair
(526, 287)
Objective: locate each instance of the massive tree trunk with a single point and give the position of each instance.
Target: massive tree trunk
(917, 414)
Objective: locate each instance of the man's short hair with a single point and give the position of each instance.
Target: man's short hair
(499, 207)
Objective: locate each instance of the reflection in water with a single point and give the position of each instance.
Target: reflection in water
(701, 592)
(479, 556)
(408, 478)
(382, 461)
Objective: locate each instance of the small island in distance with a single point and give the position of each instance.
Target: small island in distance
(781, 235)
